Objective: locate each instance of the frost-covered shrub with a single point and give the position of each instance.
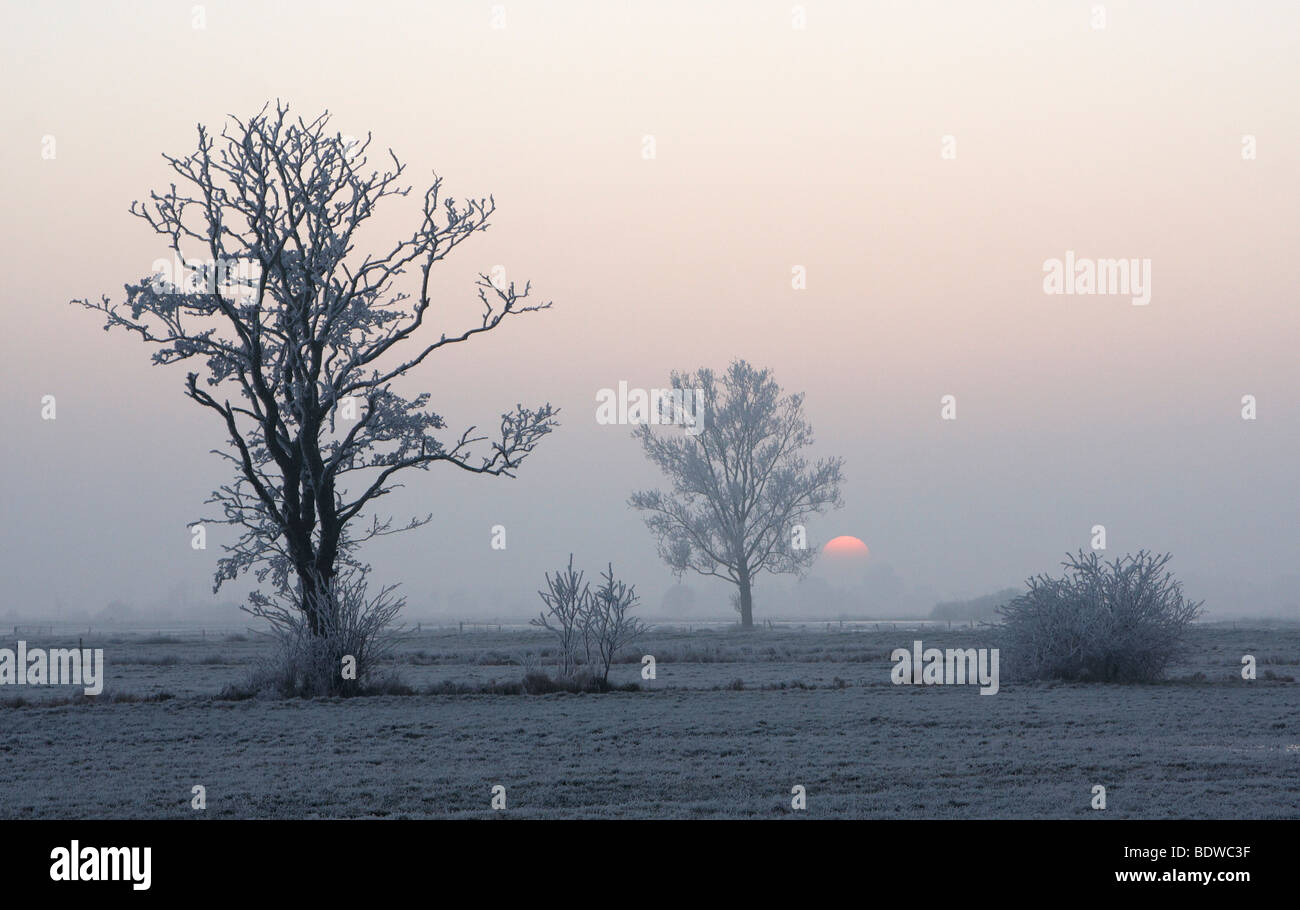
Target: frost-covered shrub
(1121, 621)
(590, 627)
(607, 624)
(566, 600)
(350, 625)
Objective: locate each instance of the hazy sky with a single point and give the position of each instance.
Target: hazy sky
(775, 147)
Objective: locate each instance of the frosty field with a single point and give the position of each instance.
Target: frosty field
(732, 722)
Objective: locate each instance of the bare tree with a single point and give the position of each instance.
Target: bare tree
(292, 327)
(606, 622)
(566, 600)
(739, 481)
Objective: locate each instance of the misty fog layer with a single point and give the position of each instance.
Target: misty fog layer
(775, 150)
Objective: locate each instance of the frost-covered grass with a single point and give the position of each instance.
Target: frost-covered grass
(812, 708)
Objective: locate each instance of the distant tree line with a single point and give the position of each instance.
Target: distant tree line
(977, 608)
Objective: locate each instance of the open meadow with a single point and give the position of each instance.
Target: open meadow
(732, 722)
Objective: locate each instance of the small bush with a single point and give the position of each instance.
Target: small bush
(566, 605)
(606, 627)
(309, 661)
(598, 620)
(1121, 621)
(537, 683)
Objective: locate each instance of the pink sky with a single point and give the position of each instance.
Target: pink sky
(776, 147)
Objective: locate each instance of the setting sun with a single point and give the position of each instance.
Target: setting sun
(845, 546)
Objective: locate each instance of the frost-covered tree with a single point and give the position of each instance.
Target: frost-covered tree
(740, 482)
(607, 624)
(297, 339)
(566, 599)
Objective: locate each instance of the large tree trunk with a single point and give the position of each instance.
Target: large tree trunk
(315, 585)
(746, 602)
(309, 584)
(315, 560)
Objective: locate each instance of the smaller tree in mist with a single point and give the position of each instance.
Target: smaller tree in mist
(1121, 621)
(740, 481)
